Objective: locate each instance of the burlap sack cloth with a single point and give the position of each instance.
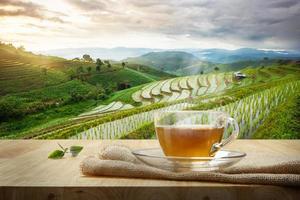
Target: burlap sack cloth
(118, 161)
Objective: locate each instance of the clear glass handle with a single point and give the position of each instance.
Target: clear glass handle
(234, 134)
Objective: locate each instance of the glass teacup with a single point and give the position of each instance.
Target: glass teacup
(194, 133)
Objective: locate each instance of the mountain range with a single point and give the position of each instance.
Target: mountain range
(182, 63)
(230, 56)
(209, 55)
(166, 60)
(118, 53)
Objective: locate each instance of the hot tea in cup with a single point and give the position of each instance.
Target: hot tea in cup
(193, 133)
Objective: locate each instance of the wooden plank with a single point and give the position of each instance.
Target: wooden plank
(147, 193)
(26, 173)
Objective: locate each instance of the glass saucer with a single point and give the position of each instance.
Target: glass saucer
(156, 158)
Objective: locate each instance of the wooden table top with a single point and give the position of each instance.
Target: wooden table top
(24, 164)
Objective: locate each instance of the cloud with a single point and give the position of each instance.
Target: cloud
(88, 5)
(31, 25)
(243, 22)
(258, 23)
(272, 24)
(4, 12)
(283, 4)
(28, 9)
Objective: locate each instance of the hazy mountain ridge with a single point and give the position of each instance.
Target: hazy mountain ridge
(118, 53)
(169, 61)
(183, 63)
(210, 55)
(230, 56)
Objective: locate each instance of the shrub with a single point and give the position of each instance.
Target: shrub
(9, 108)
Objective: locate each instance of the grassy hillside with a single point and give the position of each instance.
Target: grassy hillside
(37, 91)
(21, 71)
(126, 75)
(201, 67)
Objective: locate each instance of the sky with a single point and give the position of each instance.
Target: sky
(230, 24)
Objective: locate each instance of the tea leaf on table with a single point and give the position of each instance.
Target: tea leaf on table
(57, 154)
(75, 149)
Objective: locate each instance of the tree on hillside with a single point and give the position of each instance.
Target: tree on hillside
(80, 70)
(87, 58)
(97, 93)
(10, 45)
(21, 48)
(216, 69)
(99, 63)
(89, 69)
(107, 63)
(80, 73)
(201, 72)
(72, 74)
(98, 68)
(75, 95)
(123, 64)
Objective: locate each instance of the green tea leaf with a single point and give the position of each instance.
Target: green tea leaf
(75, 150)
(57, 154)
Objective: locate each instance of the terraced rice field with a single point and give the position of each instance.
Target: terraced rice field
(112, 107)
(115, 129)
(166, 87)
(170, 90)
(173, 90)
(183, 87)
(251, 111)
